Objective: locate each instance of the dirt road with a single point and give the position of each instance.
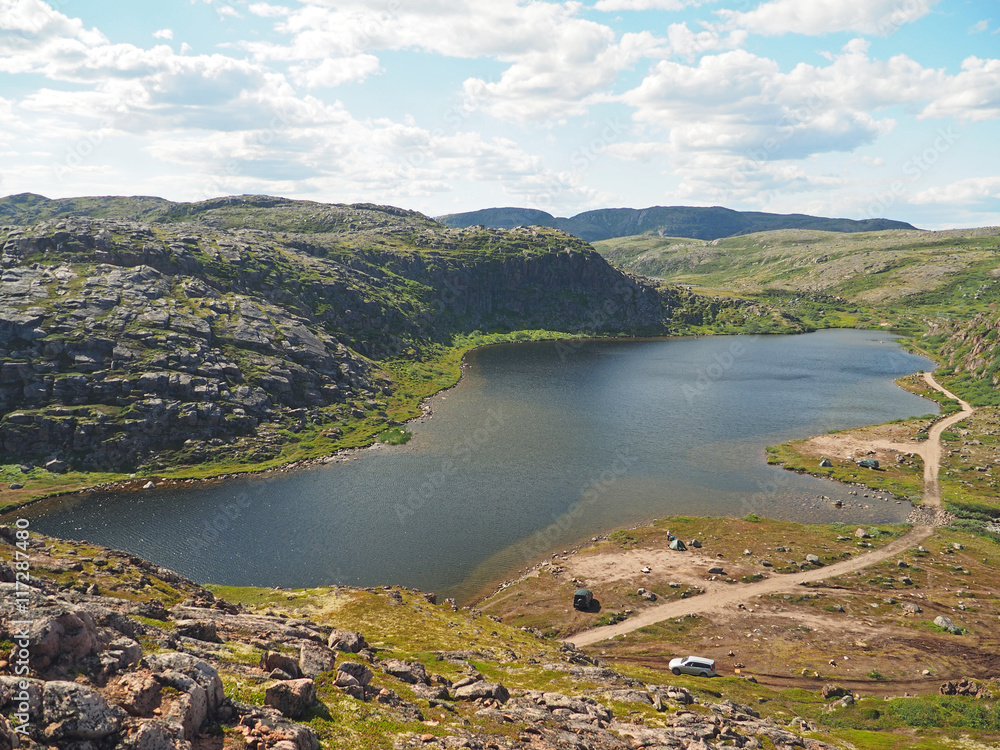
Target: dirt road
(931, 450)
(720, 595)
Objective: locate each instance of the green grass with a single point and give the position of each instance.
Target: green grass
(395, 436)
(924, 712)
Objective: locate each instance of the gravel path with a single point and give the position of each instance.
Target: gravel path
(719, 595)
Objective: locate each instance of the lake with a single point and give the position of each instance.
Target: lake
(540, 446)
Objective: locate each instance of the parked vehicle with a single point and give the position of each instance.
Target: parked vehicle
(698, 666)
(582, 599)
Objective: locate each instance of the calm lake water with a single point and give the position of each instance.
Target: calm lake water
(540, 445)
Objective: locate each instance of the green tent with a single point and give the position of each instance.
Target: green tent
(678, 545)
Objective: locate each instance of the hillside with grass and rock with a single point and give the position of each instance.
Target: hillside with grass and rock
(942, 288)
(187, 340)
(705, 223)
(115, 652)
(142, 335)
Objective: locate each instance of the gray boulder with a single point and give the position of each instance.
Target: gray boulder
(292, 698)
(315, 659)
(56, 466)
(8, 736)
(272, 660)
(153, 735)
(482, 690)
(76, 712)
(407, 671)
(199, 630)
(359, 672)
(946, 622)
(138, 693)
(198, 695)
(63, 640)
(347, 641)
(203, 673)
(187, 706)
(125, 651)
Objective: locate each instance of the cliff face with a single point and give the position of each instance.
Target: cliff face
(970, 349)
(120, 339)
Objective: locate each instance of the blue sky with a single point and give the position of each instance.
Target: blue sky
(854, 108)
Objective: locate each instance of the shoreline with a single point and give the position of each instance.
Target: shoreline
(492, 584)
(137, 484)
(917, 515)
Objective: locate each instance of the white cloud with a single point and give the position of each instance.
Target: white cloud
(561, 81)
(815, 17)
(163, 34)
(557, 62)
(334, 72)
(691, 44)
(963, 192)
(980, 26)
(973, 94)
(739, 103)
(266, 10)
(644, 151)
(615, 5)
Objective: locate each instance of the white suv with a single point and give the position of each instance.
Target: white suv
(696, 665)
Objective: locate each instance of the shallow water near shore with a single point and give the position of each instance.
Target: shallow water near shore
(541, 445)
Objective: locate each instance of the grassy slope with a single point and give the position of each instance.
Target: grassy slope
(942, 288)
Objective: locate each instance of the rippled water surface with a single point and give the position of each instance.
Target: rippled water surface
(540, 445)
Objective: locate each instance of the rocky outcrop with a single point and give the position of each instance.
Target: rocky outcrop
(127, 344)
(105, 675)
(292, 698)
(969, 347)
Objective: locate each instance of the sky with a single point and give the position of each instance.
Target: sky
(846, 108)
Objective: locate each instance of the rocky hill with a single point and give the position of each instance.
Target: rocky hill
(664, 221)
(138, 332)
(971, 355)
(112, 652)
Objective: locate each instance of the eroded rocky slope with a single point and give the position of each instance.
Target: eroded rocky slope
(114, 652)
(223, 328)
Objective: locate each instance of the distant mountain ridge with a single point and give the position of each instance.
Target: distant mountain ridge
(667, 221)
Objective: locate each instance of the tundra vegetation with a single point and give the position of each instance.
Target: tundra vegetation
(142, 337)
(145, 338)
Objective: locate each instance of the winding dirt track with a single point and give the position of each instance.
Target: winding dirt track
(719, 595)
